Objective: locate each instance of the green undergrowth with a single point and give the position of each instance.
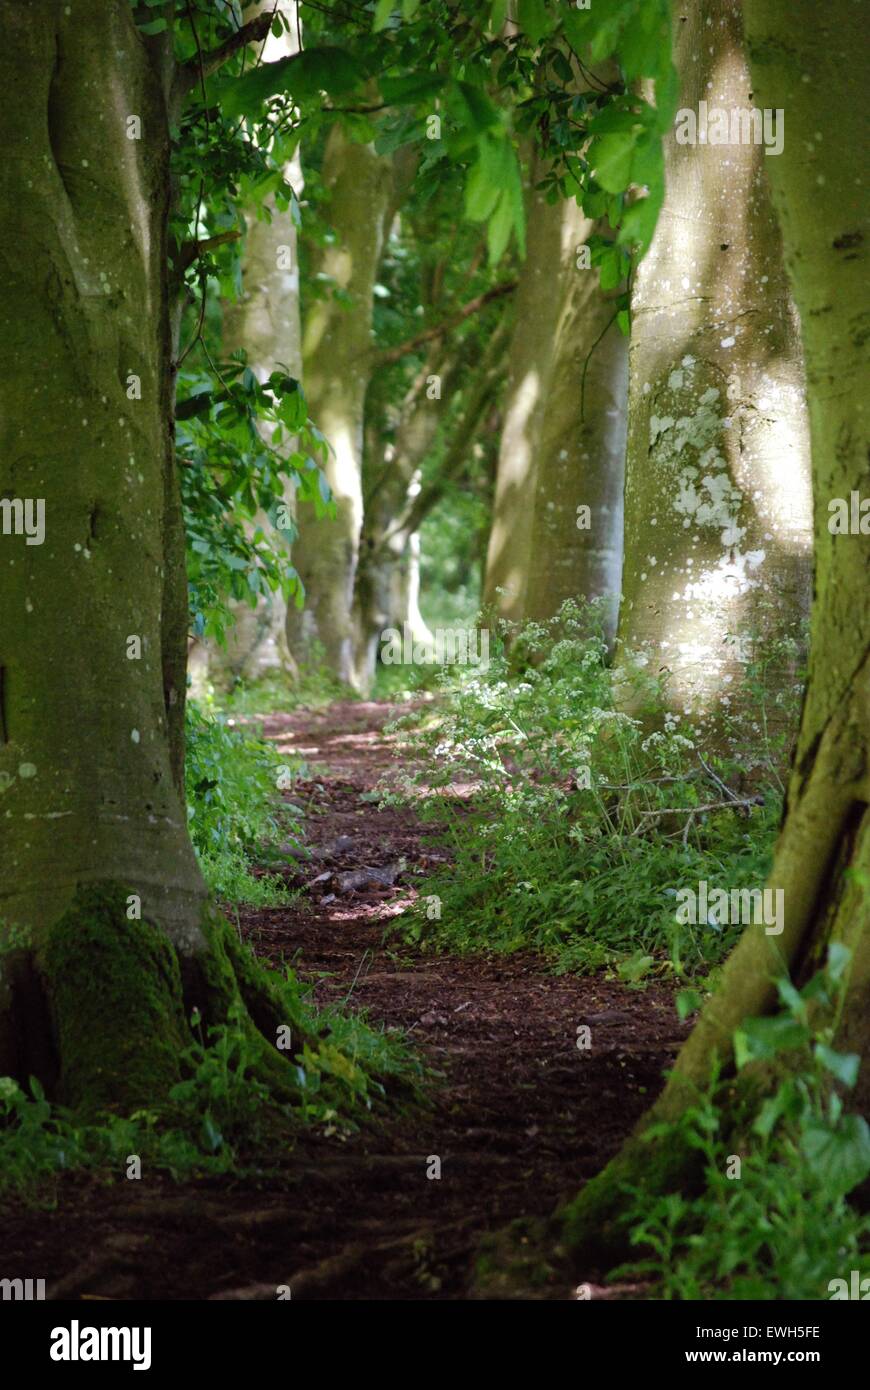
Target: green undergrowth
(773, 1217)
(236, 810)
(220, 1117)
(571, 825)
(314, 687)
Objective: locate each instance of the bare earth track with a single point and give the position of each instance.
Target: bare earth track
(520, 1119)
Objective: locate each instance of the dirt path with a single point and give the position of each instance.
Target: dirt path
(519, 1120)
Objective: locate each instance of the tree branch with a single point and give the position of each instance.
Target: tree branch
(394, 354)
(191, 251)
(190, 73)
(458, 450)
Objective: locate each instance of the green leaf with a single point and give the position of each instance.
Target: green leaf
(609, 25)
(481, 194)
(498, 230)
(762, 1038)
(326, 69)
(634, 969)
(838, 1157)
(497, 16)
(838, 959)
(768, 1115)
(612, 270)
(383, 10)
(533, 19)
(843, 1065)
(688, 1000)
(790, 997)
(640, 219)
(648, 163)
(409, 9)
(611, 158)
(154, 26)
(481, 113)
(414, 87)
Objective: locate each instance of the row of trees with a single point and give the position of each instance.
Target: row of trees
(715, 470)
(114, 229)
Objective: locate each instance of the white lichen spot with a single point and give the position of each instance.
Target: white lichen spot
(134, 735)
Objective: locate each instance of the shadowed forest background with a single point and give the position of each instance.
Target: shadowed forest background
(434, 650)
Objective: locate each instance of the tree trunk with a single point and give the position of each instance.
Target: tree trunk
(266, 322)
(391, 477)
(337, 362)
(822, 860)
(551, 240)
(388, 579)
(717, 497)
(93, 998)
(581, 451)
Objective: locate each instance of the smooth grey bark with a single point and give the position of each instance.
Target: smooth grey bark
(552, 234)
(581, 451)
(822, 858)
(718, 505)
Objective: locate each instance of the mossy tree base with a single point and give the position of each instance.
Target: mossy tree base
(99, 1010)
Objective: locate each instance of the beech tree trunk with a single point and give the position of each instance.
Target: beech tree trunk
(552, 234)
(822, 860)
(266, 322)
(108, 937)
(718, 507)
(581, 452)
(337, 363)
(385, 592)
(397, 503)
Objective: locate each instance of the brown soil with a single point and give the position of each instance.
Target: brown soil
(519, 1119)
